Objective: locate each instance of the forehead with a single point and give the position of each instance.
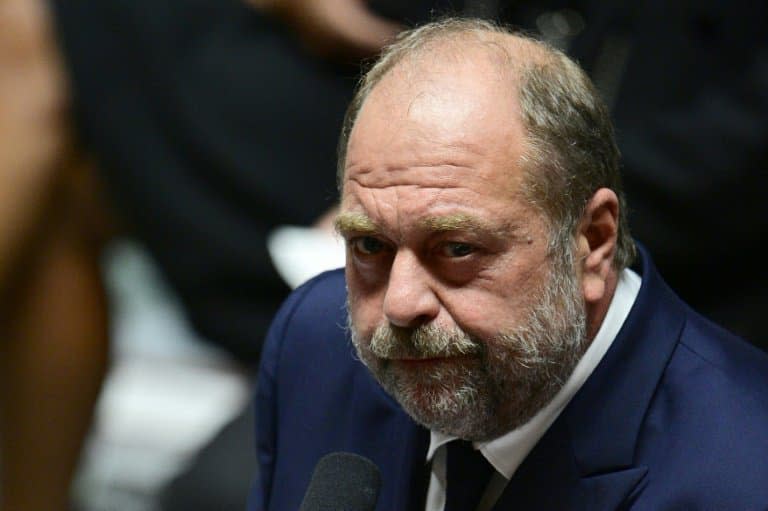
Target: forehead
(446, 99)
(450, 123)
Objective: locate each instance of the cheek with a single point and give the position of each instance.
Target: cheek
(479, 314)
(487, 311)
(365, 305)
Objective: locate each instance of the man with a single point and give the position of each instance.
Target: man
(489, 294)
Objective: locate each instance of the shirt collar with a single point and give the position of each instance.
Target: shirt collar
(508, 451)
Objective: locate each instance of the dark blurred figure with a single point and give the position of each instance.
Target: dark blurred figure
(204, 142)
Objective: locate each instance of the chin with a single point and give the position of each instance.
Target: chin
(447, 398)
(474, 422)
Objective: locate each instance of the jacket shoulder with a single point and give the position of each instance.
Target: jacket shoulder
(704, 436)
(316, 310)
(304, 345)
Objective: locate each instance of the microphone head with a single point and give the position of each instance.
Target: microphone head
(343, 481)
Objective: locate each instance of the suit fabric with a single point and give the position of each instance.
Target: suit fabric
(675, 416)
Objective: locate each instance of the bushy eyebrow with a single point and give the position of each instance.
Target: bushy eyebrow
(347, 223)
(360, 223)
(459, 222)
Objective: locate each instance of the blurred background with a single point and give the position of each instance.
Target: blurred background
(167, 174)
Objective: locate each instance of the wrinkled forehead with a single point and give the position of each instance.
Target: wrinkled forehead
(461, 70)
(435, 103)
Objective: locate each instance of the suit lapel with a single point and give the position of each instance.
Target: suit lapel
(547, 478)
(550, 479)
(606, 415)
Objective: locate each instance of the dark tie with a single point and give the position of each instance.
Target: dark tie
(420, 470)
(467, 475)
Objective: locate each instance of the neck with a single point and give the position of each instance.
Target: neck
(596, 311)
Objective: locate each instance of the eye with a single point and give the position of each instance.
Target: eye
(367, 245)
(456, 249)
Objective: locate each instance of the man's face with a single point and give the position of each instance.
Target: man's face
(454, 304)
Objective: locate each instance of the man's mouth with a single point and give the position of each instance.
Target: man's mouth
(429, 361)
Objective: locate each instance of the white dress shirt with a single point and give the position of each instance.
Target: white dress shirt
(507, 452)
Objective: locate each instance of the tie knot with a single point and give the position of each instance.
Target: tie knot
(467, 476)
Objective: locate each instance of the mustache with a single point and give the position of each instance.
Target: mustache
(425, 341)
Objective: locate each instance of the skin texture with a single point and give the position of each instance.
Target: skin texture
(438, 232)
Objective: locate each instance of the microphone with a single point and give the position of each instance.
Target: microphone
(343, 481)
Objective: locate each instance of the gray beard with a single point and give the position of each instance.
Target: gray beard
(487, 387)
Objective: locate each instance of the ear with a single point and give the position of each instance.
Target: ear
(596, 243)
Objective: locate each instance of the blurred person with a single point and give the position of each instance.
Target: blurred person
(497, 340)
(53, 333)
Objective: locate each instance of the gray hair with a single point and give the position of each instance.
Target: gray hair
(571, 151)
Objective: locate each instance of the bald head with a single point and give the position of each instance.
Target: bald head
(439, 107)
(563, 131)
(459, 49)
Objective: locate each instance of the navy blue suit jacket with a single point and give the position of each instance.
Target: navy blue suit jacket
(674, 417)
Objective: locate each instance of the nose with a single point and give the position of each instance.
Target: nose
(410, 300)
